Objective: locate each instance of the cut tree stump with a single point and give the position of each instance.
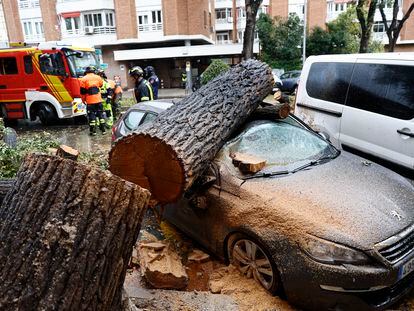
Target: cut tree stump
(67, 152)
(167, 155)
(275, 111)
(66, 235)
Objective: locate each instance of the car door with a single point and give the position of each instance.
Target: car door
(321, 96)
(378, 118)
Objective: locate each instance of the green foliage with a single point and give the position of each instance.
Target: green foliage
(281, 39)
(11, 158)
(216, 67)
(342, 36)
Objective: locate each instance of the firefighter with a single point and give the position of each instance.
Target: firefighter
(143, 89)
(107, 91)
(116, 101)
(90, 86)
(153, 79)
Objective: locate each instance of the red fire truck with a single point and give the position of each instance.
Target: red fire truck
(42, 82)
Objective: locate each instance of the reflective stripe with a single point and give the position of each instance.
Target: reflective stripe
(150, 91)
(145, 98)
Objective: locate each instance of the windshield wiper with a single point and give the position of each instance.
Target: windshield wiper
(286, 172)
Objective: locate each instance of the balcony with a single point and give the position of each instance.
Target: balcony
(34, 38)
(223, 4)
(29, 4)
(150, 27)
(67, 6)
(81, 32)
(150, 32)
(224, 24)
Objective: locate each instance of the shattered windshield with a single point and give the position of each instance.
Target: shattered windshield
(78, 65)
(279, 143)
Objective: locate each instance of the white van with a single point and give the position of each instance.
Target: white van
(362, 101)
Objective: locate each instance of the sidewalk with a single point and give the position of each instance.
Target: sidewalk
(162, 93)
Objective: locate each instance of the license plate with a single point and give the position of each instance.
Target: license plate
(406, 268)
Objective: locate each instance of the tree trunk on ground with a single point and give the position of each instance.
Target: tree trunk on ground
(252, 6)
(169, 154)
(66, 235)
(5, 187)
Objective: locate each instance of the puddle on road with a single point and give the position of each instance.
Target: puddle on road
(75, 136)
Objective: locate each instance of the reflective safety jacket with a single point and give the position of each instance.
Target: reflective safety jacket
(106, 90)
(143, 91)
(90, 88)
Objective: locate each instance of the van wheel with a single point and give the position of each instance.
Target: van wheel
(253, 260)
(47, 114)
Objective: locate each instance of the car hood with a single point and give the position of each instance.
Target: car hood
(346, 200)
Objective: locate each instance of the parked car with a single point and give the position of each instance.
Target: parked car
(319, 226)
(137, 115)
(290, 81)
(278, 83)
(363, 102)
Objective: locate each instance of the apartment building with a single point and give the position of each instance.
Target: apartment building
(166, 34)
(3, 29)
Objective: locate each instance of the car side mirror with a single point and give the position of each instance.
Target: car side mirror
(325, 136)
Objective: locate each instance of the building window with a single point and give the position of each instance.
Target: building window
(72, 25)
(223, 13)
(33, 30)
(222, 38)
(378, 27)
(241, 13)
(150, 21)
(94, 20)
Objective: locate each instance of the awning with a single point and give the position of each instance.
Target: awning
(70, 14)
(182, 51)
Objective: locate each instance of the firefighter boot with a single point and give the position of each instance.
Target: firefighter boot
(92, 128)
(102, 126)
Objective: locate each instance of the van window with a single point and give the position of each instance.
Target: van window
(8, 66)
(28, 64)
(329, 81)
(383, 89)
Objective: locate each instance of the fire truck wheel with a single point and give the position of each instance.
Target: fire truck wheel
(47, 114)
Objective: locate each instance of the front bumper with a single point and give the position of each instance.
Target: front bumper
(317, 286)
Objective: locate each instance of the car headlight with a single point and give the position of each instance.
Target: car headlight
(331, 253)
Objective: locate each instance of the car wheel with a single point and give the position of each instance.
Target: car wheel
(46, 114)
(252, 260)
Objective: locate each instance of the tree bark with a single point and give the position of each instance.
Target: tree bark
(66, 236)
(252, 6)
(170, 153)
(366, 22)
(5, 187)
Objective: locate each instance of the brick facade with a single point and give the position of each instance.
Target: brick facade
(279, 8)
(317, 12)
(187, 17)
(12, 17)
(407, 33)
(50, 20)
(126, 19)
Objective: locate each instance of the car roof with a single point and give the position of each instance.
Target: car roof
(156, 106)
(371, 56)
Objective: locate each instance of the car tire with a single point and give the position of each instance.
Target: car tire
(47, 114)
(253, 260)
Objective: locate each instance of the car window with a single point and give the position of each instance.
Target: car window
(285, 76)
(329, 81)
(383, 89)
(133, 119)
(296, 75)
(28, 64)
(279, 143)
(149, 117)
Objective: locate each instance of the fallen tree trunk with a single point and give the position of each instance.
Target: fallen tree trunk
(5, 187)
(169, 154)
(66, 235)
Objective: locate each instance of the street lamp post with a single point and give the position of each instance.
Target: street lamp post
(305, 18)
